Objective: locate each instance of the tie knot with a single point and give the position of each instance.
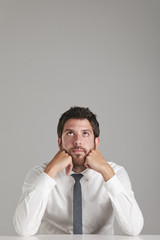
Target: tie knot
(77, 177)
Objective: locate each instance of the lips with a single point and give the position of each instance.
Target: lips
(78, 150)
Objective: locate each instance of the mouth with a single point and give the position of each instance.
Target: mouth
(78, 151)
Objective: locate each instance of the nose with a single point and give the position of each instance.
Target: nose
(77, 140)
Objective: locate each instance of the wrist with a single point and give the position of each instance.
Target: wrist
(51, 171)
(107, 173)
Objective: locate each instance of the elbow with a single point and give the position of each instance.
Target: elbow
(23, 232)
(134, 232)
(22, 229)
(135, 229)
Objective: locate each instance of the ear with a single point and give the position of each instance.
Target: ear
(97, 141)
(59, 143)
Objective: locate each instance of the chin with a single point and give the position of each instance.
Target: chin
(78, 157)
(78, 161)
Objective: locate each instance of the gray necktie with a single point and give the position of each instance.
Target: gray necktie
(77, 205)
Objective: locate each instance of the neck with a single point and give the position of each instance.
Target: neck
(78, 169)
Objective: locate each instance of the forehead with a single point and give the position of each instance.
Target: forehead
(77, 124)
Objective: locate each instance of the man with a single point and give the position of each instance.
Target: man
(46, 203)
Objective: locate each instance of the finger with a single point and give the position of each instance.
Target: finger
(65, 151)
(69, 169)
(87, 165)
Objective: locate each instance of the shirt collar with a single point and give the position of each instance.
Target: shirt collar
(85, 172)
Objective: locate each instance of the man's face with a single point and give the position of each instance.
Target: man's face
(78, 139)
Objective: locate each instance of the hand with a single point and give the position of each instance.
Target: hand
(95, 161)
(62, 160)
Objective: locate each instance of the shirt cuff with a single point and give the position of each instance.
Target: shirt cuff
(114, 186)
(45, 183)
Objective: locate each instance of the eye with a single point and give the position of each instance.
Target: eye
(70, 133)
(86, 134)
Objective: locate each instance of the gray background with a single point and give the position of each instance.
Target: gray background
(103, 54)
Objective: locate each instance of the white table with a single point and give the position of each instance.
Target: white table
(81, 237)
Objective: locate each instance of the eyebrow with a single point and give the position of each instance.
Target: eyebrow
(83, 130)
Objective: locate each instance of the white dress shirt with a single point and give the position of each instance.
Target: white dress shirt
(45, 205)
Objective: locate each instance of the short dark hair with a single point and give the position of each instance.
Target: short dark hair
(78, 113)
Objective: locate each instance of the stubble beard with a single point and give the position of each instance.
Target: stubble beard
(77, 159)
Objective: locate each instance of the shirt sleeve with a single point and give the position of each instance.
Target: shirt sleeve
(33, 201)
(126, 209)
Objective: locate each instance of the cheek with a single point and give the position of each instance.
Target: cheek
(66, 141)
(90, 143)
